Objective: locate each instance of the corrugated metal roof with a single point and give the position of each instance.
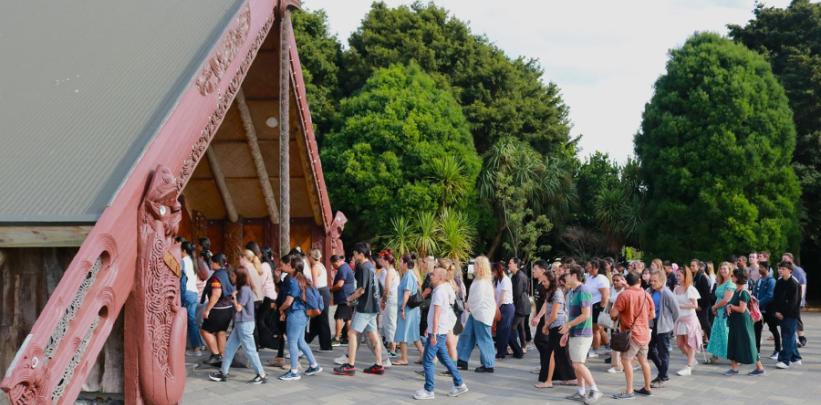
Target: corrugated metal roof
(84, 86)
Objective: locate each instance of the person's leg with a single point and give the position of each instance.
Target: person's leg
(772, 324)
(627, 362)
(246, 336)
(503, 331)
(451, 343)
(427, 364)
(446, 361)
(758, 326)
(788, 345)
(484, 339)
(211, 342)
(305, 348)
(645, 369)
(653, 352)
(353, 343)
(467, 341)
(377, 345)
(324, 325)
(295, 329)
(190, 302)
(663, 354)
(222, 336)
(544, 361)
(231, 350)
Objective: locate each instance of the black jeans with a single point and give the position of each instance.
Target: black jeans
(704, 319)
(517, 333)
(772, 324)
(659, 352)
(319, 325)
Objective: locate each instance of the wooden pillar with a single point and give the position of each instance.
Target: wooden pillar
(284, 134)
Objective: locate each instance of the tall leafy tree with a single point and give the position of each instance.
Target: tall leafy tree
(394, 138)
(715, 147)
(500, 96)
(790, 39)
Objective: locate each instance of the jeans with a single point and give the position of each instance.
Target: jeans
(659, 352)
(319, 325)
(243, 334)
(189, 301)
(704, 321)
(439, 351)
(772, 324)
(503, 331)
(476, 333)
(297, 321)
(517, 332)
(789, 349)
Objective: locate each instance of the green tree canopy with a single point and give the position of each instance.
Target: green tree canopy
(500, 96)
(791, 39)
(395, 137)
(715, 147)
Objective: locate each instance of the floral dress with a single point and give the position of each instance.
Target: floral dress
(719, 333)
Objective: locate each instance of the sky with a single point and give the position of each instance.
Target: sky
(603, 55)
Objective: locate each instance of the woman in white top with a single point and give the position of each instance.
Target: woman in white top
(687, 328)
(190, 297)
(504, 301)
(250, 262)
(319, 325)
(619, 284)
(390, 302)
(481, 307)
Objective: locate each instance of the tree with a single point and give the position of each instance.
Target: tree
(394, 136)
(320, 55)
(500, 96)
(791, 39)
(714, 147)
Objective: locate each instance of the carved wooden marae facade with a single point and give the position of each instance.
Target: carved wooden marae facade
(230, 132)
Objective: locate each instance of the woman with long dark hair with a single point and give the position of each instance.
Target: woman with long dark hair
(504, 301)
(293, 308)
(552, 355)
(407, 320)
(190, 297)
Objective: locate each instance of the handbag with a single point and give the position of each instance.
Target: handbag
(755, 311)
(415, 300)
(620, 341)
(604, 320)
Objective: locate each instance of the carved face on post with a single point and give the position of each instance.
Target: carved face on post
(161, 201)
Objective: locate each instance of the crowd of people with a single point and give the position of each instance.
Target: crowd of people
(629, 312)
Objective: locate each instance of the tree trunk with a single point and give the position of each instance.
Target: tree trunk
(497, 241)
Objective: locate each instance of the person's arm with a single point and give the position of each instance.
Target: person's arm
(605, 297)
(671, 304)
(315, 274)
(338, 285)
(586, 311)
(741, 307)
(388, 284)
(202, 269)
(554, 314)
(724, 300)
(237, 302)
(767, 296)
(289, 300)
(434, 329)
(535, 320)
(216, 293)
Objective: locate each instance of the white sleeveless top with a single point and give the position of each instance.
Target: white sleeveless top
(323, 276)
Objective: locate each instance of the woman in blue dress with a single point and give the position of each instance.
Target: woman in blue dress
(407, 320)
(717, 346)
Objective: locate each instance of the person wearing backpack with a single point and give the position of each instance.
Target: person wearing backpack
(294, 310)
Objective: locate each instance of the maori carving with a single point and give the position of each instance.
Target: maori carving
(200, 225)
(224, 102)
(161, 346)
(336, 233)
(233, 242)
(212, 73)
(71, 310)
(68, 373)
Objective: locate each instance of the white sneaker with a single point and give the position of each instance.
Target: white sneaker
(685, 371)
(774, 356)
(613, 370)
(423, 394)
(386, 362)
(797, 362)
(458, 390)
(781, 365)
(343, 359)
(592, 354)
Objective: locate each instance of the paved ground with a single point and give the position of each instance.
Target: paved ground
(513, 382)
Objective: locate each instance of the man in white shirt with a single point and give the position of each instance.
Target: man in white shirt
(599, 287)
(440, 322)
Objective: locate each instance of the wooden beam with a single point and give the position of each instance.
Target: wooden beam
(219, 178)
(256, 154)
(43, 236)
(284, 134)
(308, 172)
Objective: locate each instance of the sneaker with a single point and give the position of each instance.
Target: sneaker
(802, 341)
(644, 391)
(461, 364)
(757, 372)
(290, 376)
(335, 343)
(386, 362)
(576, 397)
(341, 360)
(218, 376)
(392, 355)
(657, 383)
(483, 369)
(592, 354)
(797, 362)
(374, 369)
(259, 379)
(685, 371)
(314, 370)
(215, 360)
(613, 370)
(345, 369)
(458, 390)
(624, 395)
(593, 396)
(731, 372)
(423, 394)
(782, 365)
(774, 356)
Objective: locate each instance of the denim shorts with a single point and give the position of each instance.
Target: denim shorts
(363, 322)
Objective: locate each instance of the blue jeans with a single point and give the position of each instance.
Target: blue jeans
(440, 351)
(243, 334)
(476, 333)
(189, 300)
(295, 328)
(503, 331)
(789, 349)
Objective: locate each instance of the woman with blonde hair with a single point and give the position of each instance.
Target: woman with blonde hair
(687, 327)
(720, 331)
(481, 309)
(319, 325)
(250, 262)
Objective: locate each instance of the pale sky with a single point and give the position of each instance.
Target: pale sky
(604, 55)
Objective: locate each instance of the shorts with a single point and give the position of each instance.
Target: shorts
(596, 311)
(578, 346)
(362, 322)
(635, 350)
(344, 312)
(218, 320)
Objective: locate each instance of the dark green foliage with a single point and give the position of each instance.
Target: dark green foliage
(715, 148)
(394, 139)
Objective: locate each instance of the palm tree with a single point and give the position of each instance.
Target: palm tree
(449, 174)
(402, 237)
(456, 235)
(426, 234)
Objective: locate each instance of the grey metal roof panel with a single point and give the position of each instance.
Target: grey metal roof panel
(84, 87)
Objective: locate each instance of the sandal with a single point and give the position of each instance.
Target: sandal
(395, 363)
(543, 385)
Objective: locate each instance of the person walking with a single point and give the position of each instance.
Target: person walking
(521, 303)
(723, 293)
(800, 275)
(786, 306)
(407, 320)
(664, 319)
(319, 325)
(619, 285)
(343, 287)
(553, 356)
(440, 322)
(481, 308)
(687, 328)
(219, 311)
(741, 338)
(189, 297)
(635, 309)
(367, 297)
(504, 301)
(763, 291)
(293, 312)
(390, 300)
(599, 286)
(243, 333)
(701, 282)
(579, 334)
